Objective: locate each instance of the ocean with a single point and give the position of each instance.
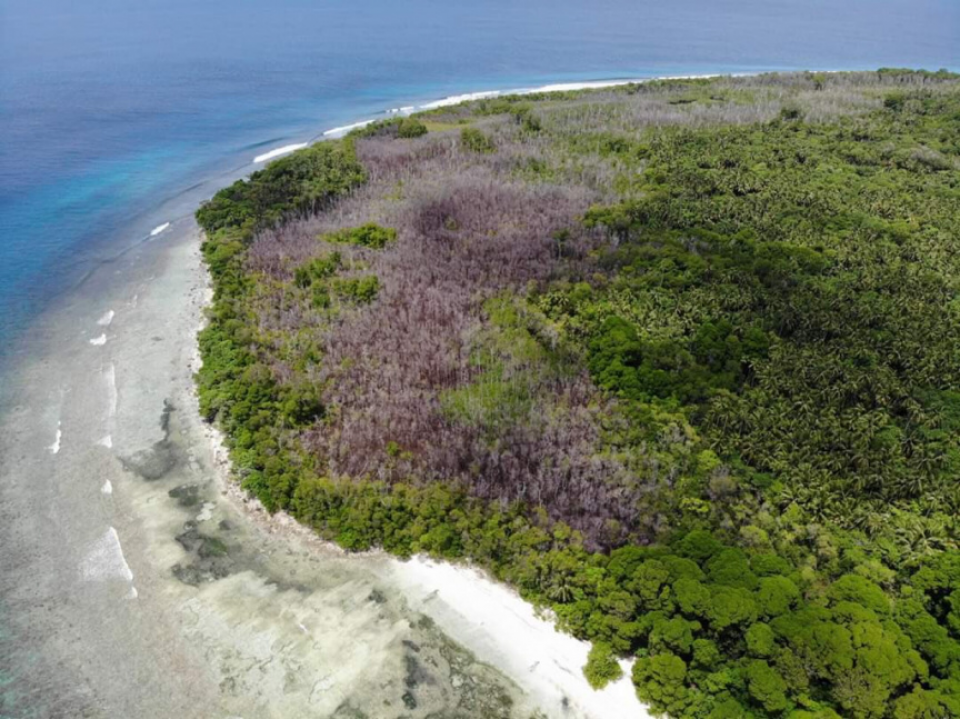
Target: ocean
(117, 117)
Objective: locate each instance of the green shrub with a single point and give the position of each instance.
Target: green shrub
(791, 111)
(766, 686)
(895, 101)
(660, 682)
(301, 182)
(402, 127)
(526, 118)
(370, 235)
(411, 127)
(319, 268)
(602, 666)
(473, 140)
(358, 289)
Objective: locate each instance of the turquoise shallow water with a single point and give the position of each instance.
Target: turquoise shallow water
(111, 111)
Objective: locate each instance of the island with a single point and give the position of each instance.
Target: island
(679, 360)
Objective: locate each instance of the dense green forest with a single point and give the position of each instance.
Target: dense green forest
(678, 360)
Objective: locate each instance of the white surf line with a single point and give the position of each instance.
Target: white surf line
(285, 150)
(105, 560)
(159, 228)
(99, 341)
(106, 318)
(338, 132)
(341, 131)
(55, 447)
(107, 487)
(457, 99)
(602, 84)
(552, 88)
(110, 374)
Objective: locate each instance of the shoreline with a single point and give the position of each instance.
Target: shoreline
(292, 145)
(454, 100)
(486, 616)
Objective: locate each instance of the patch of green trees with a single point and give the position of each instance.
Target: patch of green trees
(475, 140)
(407, 128)
(370, 235)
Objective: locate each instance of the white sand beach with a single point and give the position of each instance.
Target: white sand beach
(498, 626)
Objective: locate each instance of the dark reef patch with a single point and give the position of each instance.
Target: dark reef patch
(187, 495)
(211, 557)
(162, 457)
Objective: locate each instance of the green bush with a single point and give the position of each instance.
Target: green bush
(472, 140)
(602, 666)
(895, 101)
(411, 127)
(317, 269)
(402, 127)
(358, 289)
(526, 118)
(370, 235)
(299, 183)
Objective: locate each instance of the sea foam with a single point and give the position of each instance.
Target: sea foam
(572, 86)
(555, 87)
(110, 375)
(105, 560)
(206, 512)
(106, 319)
(158, 229)
(457, 99)
(285, 150)
(99, 341)
(55, 447)
(337, 132)
(341, 131)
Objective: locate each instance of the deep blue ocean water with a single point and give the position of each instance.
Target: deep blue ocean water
(119, 115)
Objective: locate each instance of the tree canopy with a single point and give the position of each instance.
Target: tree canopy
(678, 360)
